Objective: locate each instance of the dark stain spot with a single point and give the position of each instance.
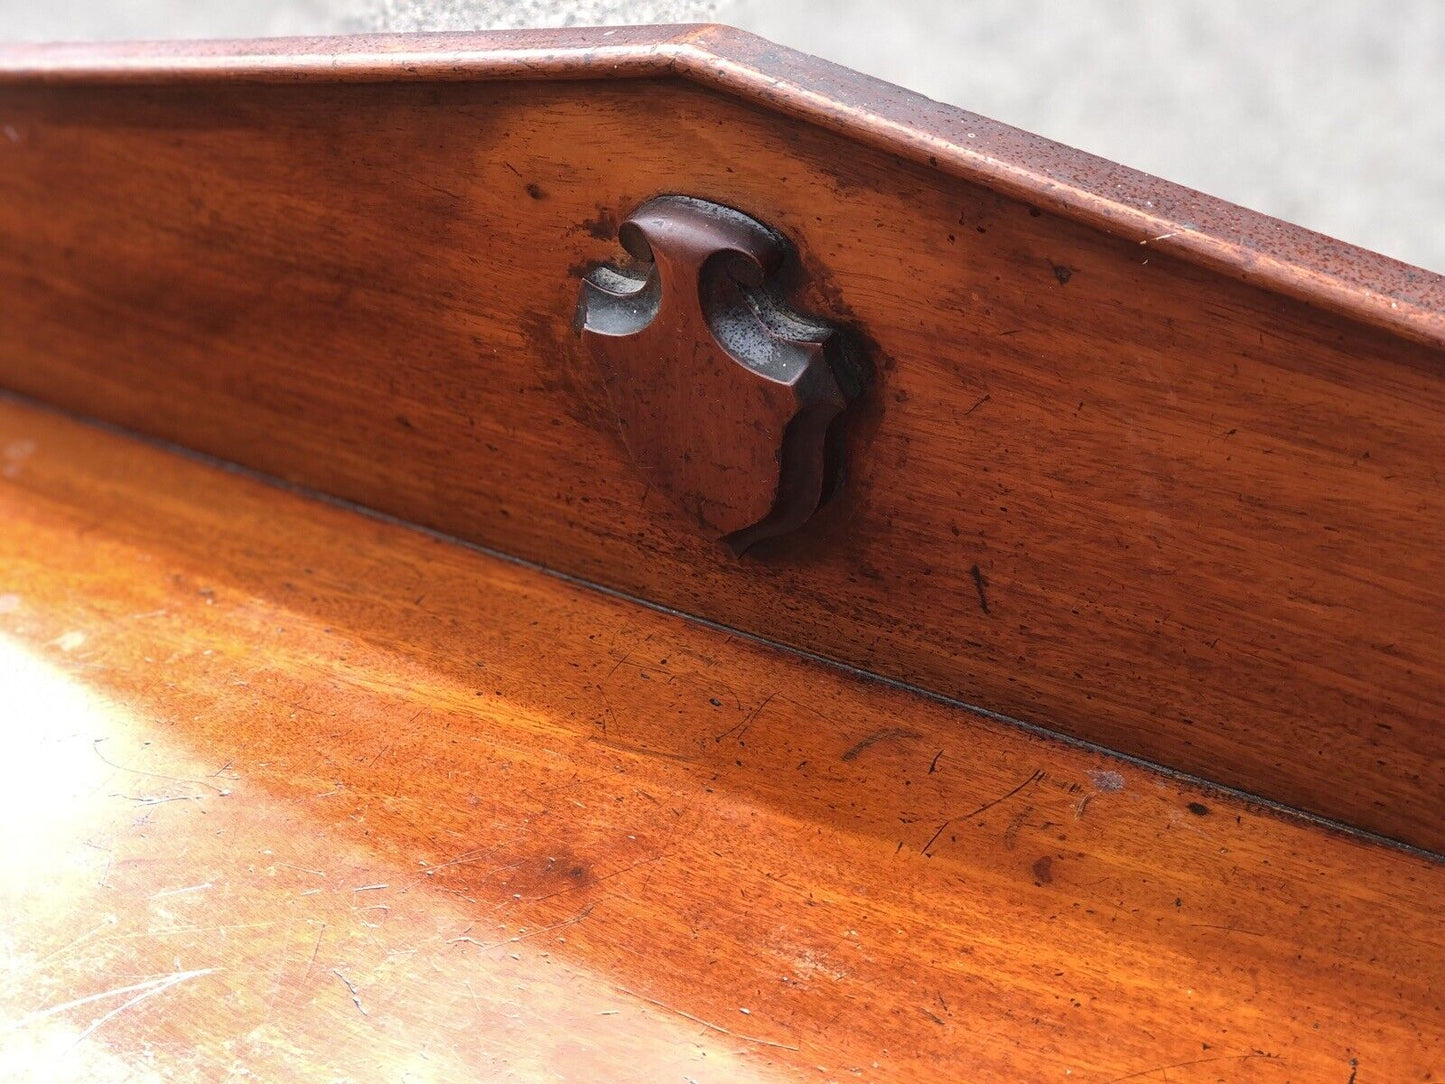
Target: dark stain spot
(1063, 274)
(576, 873)
(979, 583)
(604, 226)
(564, 371)
(1044, 870)
(1034, 212)
(535, 190)
(404, 422)
(1199, 809)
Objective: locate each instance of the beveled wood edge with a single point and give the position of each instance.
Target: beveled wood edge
(1290, 260)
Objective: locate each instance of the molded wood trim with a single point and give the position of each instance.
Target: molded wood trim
(1168, 218)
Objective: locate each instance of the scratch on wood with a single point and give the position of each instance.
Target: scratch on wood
(179, 891)
(355, 997)
(109, 920)
(477, 854)
(1196, 1061)
(314, 952)
(742, 728)
(606, 703)
(95, 745)
(1010, 836)
(886, 734)
(142, 990)
(1226, 929)
(578, 917)
(149, 799)
(1036, 777)
(707, 1023)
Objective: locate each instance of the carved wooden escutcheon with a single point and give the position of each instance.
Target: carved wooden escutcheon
(724, 396)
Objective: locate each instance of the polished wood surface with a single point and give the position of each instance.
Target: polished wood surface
(291, 793)
(1222, 236)
(1097, 487)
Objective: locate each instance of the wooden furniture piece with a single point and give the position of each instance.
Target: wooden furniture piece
(1038, 674)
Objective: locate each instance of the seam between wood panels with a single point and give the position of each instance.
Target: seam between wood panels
(1254, 801)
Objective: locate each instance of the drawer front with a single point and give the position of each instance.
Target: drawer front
(1093, 486)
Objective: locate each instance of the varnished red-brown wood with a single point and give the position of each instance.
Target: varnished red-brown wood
(292, 793)
(1098, 485)
(1222, 236)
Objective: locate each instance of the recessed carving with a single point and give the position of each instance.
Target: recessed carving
(725, 397)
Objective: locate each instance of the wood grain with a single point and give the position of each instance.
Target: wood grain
(290, 792)
(1199, 228)
(1098, 489)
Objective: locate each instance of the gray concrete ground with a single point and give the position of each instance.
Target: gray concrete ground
(1328, 113)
